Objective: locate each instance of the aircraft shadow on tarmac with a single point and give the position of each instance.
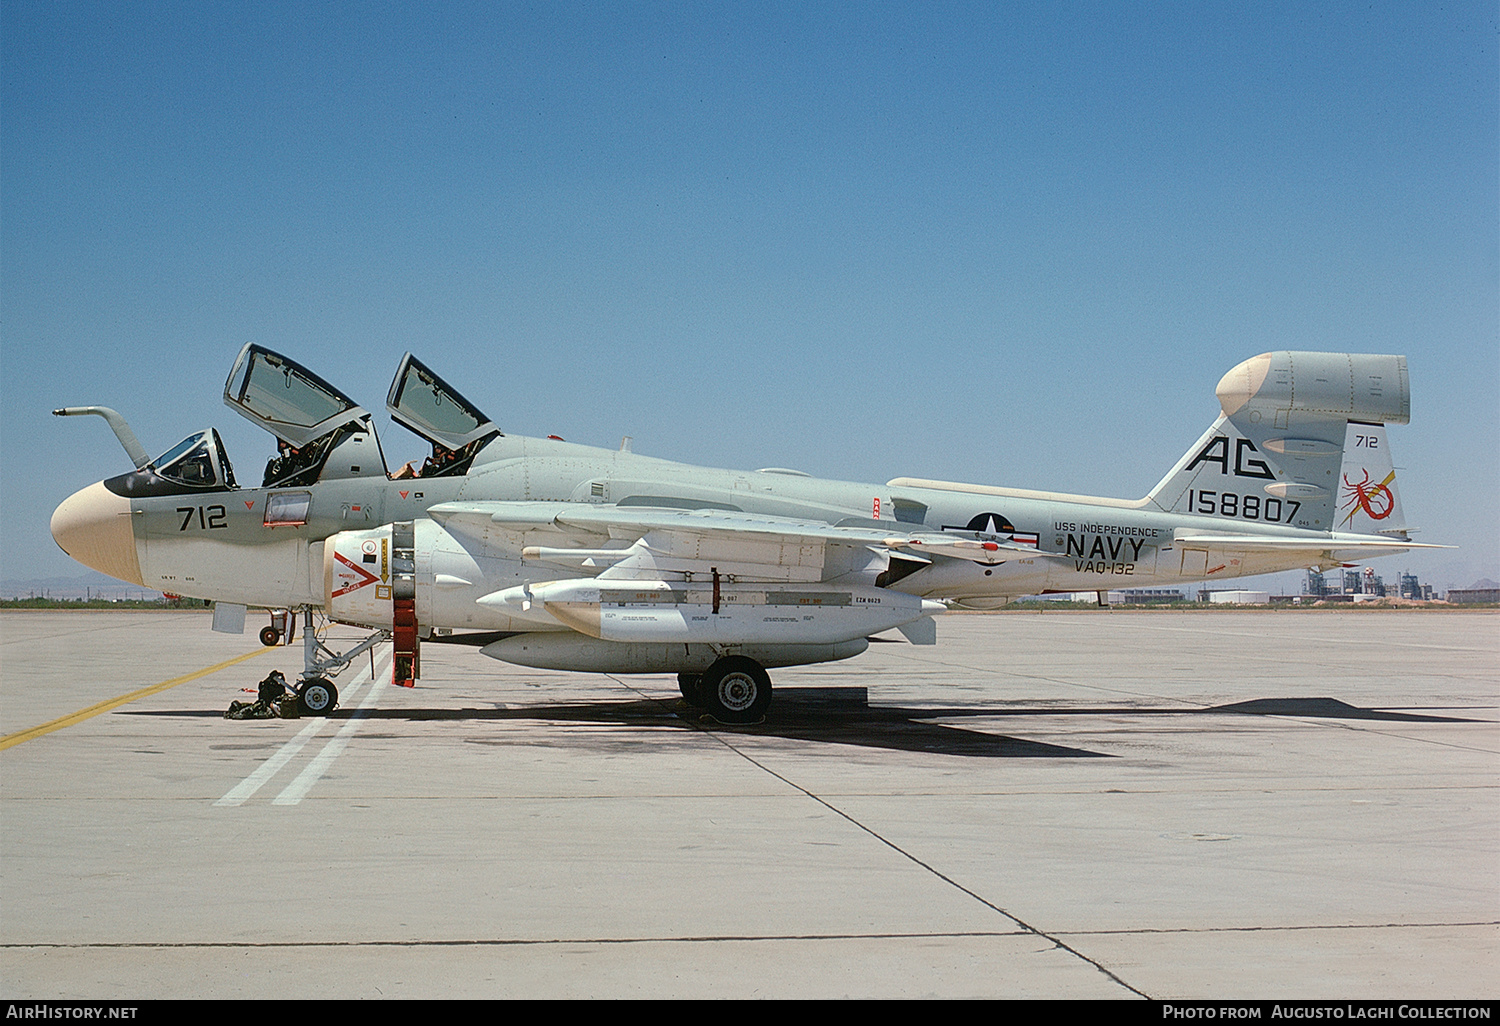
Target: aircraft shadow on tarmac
(843, 715)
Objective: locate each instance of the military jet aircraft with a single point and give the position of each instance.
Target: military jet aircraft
(552, 554)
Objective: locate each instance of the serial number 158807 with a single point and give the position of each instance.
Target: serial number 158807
(1243, 507)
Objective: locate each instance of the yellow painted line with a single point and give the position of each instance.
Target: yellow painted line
(114, 703)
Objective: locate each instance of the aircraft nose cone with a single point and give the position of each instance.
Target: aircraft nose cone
(93, 526)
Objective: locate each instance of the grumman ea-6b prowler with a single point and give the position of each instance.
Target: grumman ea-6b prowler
(551, 554)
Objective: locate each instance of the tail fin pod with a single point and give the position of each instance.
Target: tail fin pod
(1277, 453)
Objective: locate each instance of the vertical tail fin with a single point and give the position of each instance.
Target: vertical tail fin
(1368, 500)
(1300, 442)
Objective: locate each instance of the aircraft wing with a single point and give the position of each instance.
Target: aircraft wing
(642, 541)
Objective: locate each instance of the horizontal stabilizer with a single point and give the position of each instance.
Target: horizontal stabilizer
(1257, 543)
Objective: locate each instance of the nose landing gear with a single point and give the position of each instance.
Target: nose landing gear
(316, 696)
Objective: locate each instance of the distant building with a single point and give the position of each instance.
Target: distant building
(1146, 596)
(1411, 588)
(1474, 594)
(1363, 582)
(1115, 597)
(1240, 598)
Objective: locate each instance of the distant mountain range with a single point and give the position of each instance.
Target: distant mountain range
(85, 585)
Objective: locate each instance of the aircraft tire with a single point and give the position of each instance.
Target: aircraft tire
(690, 685)
(269, 636)
(736, 690)
(317, 696)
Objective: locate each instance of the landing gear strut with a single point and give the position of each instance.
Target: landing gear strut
(315, 691)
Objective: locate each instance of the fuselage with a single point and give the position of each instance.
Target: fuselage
(1295, 472)
(230, 545)
(566, 556)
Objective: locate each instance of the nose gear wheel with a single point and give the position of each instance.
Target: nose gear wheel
(317, 696)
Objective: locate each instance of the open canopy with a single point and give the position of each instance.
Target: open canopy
(285, 398)
(423, 402)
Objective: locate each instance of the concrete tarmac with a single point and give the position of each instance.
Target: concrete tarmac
(1214, 804)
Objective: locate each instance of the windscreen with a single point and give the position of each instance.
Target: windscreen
(197, 461)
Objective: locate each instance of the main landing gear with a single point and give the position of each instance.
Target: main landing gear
(735, 690)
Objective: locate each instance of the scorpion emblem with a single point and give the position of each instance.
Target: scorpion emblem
(1377, 500)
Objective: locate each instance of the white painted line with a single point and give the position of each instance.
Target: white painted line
(268, 769)
(297, 789)
(242, 791)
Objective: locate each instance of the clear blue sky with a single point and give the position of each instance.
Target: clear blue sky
(996, 242)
